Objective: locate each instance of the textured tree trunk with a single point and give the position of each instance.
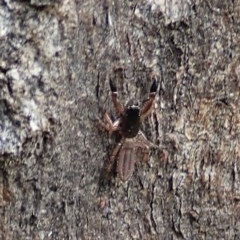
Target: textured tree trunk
(56, 57)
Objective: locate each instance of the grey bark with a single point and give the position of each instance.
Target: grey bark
(55, 59)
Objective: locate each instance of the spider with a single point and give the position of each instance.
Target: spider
(128, 125)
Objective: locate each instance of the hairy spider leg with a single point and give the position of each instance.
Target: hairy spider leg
(148, 104)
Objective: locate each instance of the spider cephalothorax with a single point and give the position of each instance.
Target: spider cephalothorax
(128, 124)
(130, 119)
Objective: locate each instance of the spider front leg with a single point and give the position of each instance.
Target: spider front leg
(116, 103)
(108, 124)
(148, 104)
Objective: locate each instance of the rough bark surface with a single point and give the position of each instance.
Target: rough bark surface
(55, 59)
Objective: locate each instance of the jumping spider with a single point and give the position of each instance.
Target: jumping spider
(128, 125)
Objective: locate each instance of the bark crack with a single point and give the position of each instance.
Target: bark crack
(154, 224)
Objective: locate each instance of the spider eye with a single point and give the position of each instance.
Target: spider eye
(133, 104)
(133, 107)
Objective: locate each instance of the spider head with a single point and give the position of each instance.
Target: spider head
(132, 108)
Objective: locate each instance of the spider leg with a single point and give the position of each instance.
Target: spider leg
(144, 151)
(108, 124)
(113, 156)
(116, 103)
(148, 104)
(142, 138)
(144, 144)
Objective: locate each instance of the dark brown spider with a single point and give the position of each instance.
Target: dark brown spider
(128, 125)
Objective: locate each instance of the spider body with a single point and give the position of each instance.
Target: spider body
(130, 121)
(128, 124)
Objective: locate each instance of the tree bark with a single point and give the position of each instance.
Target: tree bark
(56, 57)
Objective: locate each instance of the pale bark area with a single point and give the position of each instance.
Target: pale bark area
(55, 58)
